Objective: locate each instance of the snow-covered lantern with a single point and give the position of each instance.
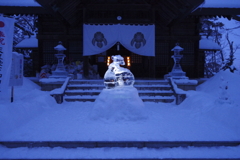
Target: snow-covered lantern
(60, 56)
(177, 57)
(177, 72)
(60, 71)
(60, 48)
(177, 49)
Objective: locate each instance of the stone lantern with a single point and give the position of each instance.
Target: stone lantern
(177, 72)
(60, 69)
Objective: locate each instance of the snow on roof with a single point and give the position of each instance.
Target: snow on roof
(26, 3)
(206, 4)
(208, 44)
(60, 47)
(31, 42)
(221, 4)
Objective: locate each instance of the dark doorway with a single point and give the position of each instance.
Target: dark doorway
(101, 59)
(118, 49)
(139, 65)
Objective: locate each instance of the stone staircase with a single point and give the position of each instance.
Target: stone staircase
(104, 150)
(149, 90)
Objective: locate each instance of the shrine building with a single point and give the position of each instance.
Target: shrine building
(142, 31)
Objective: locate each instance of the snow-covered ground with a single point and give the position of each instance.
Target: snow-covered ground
(35, 116)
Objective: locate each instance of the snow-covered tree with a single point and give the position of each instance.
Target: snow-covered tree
(215, 61)
(25, 25)
(210, 28)
(228, 64)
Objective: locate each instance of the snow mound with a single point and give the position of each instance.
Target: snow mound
(28, 103)
(213, 85)
(29, 94)
(120, 103)
(29, 85)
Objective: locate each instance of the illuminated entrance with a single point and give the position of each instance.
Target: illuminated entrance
(139, 65)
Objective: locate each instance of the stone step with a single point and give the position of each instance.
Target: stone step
(99, 82)
(121, 158)
(157, 99)
(85, 87)
(149, 90)
(82, 92)
(78, 98)
(153, 87)
(128, 159)
(100, 87)
(141, 92)
(120, 144)
(151, 82)
(89, 98)
(137, 82)
(33, 149)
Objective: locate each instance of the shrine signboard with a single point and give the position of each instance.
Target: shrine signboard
(6, 42)
(16, 76)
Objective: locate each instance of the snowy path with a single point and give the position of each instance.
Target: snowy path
(164, 122)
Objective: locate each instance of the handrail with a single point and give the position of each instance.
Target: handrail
(178, 93)
(59, 92)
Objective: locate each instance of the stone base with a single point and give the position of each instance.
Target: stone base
(48, 84)
(178, 75)
(59, 74)
(186, 84)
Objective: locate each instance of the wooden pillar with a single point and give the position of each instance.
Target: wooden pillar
(196, 59)
(197, 54)
(85, 66)
(36, 64)
(40, 54)
(151, 65)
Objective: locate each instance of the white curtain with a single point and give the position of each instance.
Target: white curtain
(139, 39)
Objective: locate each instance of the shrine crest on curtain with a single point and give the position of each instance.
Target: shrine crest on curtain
(139, 39)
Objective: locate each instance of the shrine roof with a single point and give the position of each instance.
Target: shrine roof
(220, 4)
(167, 12)
(31, 42)
(208, 44)
(221, 8)
(25, 3)
(206, 4)
(21, 7)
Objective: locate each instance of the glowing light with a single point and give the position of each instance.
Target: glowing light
(108, 60)
(128, 61)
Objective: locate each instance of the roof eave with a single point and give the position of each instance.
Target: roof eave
(22, 10)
